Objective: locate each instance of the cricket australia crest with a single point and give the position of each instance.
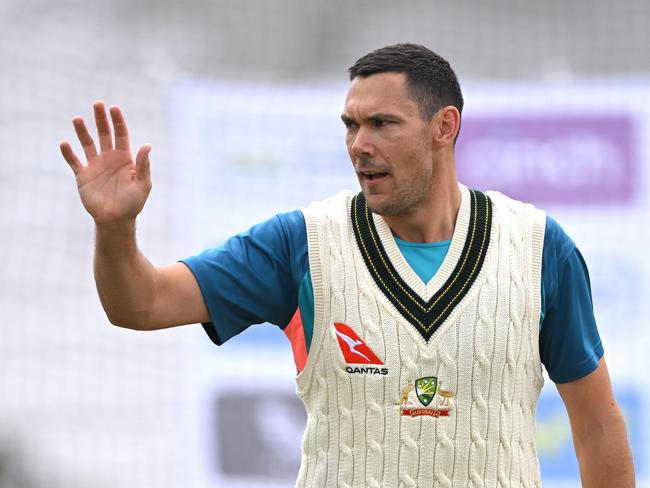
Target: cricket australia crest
(425, 390)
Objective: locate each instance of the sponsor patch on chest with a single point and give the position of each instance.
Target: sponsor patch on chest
(359, 358)
(365, 370)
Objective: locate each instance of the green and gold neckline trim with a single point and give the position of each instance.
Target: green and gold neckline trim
(425, 315)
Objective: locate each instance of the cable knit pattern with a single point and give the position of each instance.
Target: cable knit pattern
(477, 430)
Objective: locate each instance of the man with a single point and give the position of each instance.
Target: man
(419, 311)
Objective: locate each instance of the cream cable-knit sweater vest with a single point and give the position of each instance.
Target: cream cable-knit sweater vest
(388, 408)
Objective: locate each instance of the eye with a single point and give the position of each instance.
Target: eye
(349, 124)
(378, 123)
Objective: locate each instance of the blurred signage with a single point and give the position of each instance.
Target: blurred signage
(243, 153)
(258, 435)
(563, 159)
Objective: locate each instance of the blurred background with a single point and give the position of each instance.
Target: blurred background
(241, 100)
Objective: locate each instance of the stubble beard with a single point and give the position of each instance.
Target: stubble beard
(403, 203)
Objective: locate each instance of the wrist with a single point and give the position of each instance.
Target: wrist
(115, 234)
(126, 225)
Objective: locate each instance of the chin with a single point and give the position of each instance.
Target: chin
(380, 206)
(389, 207)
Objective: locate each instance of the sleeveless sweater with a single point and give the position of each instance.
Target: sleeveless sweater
(412, 384)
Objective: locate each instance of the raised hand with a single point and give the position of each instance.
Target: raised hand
(112, 186)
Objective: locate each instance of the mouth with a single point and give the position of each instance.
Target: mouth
(372, 176)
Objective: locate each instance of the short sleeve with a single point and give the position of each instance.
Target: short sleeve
(570, 345)
(253, 277)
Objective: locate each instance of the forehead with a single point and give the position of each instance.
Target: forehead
(381, 92)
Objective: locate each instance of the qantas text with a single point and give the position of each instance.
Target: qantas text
(366, 370)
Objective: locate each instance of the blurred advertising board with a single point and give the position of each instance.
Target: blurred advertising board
(243, 153)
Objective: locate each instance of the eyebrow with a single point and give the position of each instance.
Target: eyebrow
(379, 115)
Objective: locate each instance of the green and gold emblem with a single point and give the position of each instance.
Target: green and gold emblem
(425, 388)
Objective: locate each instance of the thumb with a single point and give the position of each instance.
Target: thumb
(142, 171)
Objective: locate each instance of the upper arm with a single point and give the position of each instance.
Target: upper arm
(178, 298)
(253, 277)
(590, 403)
(598, 429)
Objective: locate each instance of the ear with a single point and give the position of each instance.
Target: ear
(447, 125)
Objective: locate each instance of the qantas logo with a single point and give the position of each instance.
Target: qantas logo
(355, 351)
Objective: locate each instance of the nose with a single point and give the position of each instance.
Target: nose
(361, 143)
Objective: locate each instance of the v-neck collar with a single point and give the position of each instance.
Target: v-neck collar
(426, 290)
(425, 305)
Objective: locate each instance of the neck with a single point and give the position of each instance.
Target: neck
(434, 221)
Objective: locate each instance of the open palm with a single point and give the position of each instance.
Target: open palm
(113, 187)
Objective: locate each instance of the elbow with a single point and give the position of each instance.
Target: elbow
(134, 322)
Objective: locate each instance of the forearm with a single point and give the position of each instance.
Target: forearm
(604, 456)
(126, 280)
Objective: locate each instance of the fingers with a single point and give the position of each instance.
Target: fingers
(142, 169)
(71, 157)
(121, 131)
(103, 127)
(103, 131)
(85, 138)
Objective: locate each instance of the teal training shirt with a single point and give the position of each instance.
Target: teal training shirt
(425, 258)
(262, 275)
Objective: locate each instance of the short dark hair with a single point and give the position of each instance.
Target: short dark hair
(429, 77)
